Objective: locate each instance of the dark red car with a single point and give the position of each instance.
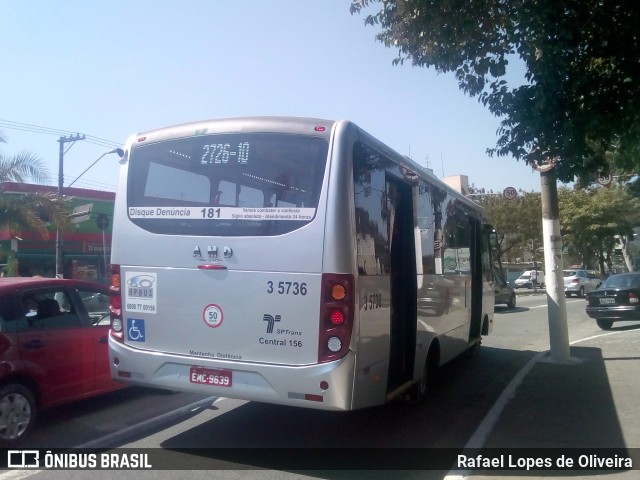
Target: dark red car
(53, 348)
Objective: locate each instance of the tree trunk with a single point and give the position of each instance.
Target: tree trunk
(626, 254)
(603, 270)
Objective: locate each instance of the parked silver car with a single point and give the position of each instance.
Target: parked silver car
(578, 282)
(503, 292)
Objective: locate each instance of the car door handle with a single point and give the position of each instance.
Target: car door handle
(103, 340)
(34, 344)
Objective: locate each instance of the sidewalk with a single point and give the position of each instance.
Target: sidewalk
(590, 403)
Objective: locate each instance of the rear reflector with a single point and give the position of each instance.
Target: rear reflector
(313, 398)
(211, 266)
(305, 396)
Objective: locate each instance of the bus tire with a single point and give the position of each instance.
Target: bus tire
(473, 350)
(422, 389)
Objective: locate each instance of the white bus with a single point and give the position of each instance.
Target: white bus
(294, 261)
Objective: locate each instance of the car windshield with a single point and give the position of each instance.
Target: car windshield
(570, 273)
(525, 276)
(621, 281)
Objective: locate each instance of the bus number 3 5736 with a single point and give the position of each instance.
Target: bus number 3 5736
(287, 288)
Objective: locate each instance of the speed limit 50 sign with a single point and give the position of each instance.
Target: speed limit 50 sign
(510, 193)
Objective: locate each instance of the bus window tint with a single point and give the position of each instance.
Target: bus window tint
(369, 176)
(168, 182)
(228, 184)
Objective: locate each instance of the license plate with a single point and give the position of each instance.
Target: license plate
(607, 301)
(209, 376)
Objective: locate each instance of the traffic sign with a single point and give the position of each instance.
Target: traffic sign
(510, 193)
(604, 180)
(81, 213)
(103, 222)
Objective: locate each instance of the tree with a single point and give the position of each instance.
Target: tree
(595, 219)
(581, 93)
(517, 223)
(29, 211)
(580, 97)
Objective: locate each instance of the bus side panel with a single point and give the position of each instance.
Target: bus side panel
(374, 341)
(444, 311)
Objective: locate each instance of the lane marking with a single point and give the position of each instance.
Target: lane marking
(545, 305)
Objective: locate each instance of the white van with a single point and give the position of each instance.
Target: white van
(527, 279)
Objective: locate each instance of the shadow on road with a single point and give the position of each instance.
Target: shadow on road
(85, 420)
(558, 407)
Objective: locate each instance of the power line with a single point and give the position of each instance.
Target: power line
(28, 127)
(94, 185)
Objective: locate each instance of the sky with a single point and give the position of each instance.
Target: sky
(109, 69)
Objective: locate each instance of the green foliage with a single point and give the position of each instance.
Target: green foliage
(21, 166)
(580, 97)
(592, 218)
(517, 222)
(30, 211)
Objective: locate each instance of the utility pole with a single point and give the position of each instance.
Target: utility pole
(552, 239)
(59, 234)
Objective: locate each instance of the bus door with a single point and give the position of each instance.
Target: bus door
(403, 283)
(477, 278)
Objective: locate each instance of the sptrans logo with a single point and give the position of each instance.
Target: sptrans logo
(271, 320)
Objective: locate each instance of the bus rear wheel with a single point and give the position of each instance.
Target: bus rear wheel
(422, 390)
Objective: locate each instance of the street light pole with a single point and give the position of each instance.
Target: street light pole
(58, 231)
(119, 151)
(59, 234)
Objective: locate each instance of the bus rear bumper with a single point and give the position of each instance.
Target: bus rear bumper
(326, 386)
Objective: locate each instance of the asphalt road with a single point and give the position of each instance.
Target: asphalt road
(466, 390)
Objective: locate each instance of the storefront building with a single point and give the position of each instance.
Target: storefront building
(86, 244)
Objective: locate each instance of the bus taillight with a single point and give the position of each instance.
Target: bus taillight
(115, 307)
(336, 316)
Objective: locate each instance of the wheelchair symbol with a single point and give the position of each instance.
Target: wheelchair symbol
(135, 329)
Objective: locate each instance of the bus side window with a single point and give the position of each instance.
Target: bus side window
(369, 185)
(426, 224)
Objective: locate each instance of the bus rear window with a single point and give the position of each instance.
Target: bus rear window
(231, 184)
